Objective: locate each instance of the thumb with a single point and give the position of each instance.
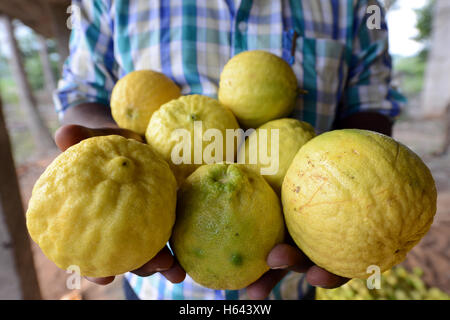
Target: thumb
(68, 135)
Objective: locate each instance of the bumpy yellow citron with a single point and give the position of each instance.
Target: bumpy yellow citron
(257, 86)
(273, 158)
(228, 220)
(180, 130)
(105, 205)
(137, 95)
(353, 199)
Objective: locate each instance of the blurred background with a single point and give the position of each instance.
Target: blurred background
(33, 46)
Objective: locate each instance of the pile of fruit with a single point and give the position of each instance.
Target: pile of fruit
(350, 199)
(395, 284)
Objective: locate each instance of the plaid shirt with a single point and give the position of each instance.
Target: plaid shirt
(344, 66)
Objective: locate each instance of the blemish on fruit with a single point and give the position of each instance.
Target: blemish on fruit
(130, 113)
(198, 252)
(236, 259)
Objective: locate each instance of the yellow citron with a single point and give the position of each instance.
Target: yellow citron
(105, 205)
(228, 220)
(258, 87)
(178, 130)
(137, 95)
(292, 135)
(354, 199)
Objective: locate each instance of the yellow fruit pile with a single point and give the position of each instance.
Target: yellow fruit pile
(350, 199)
(395, 284)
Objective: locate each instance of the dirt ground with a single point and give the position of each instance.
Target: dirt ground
(432, 254)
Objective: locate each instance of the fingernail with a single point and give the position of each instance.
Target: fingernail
(161, 269)
(280, 267)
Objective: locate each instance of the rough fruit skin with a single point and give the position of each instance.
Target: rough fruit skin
(107, 205)
(228, 220)
(137, 95)
(182, 113)
(257, 86)
(355, 198)
(293, 134)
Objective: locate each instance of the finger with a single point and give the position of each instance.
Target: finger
(262, 287)
(119, 131)
(175, 274)
(101, 281)
(161, 262)
(71, 134)
(284, 256)
(316, 276)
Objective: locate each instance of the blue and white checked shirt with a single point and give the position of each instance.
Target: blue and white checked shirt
(344, 66)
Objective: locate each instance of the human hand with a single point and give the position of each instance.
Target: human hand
(284, 258)
(163, 262)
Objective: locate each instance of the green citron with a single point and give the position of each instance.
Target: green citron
(228, 220)
(258, 86)
(292, 135)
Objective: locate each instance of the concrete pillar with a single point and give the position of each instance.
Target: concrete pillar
(436, 94)
(18, 277)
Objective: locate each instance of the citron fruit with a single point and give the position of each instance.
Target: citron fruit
(292, 134)
(228, 220)
(178, 129)
(105, 205)
(137, 95)
(258, 86)
(354, 199)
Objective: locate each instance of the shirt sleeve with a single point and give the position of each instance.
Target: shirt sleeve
(369, 85)
(90, 71)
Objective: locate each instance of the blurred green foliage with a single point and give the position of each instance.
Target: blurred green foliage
(411, 70)
(425, 27)
(29, 46)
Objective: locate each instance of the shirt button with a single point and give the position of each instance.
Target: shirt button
(242, 26)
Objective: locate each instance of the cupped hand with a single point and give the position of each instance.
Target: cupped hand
(163, 262)
(284, 258)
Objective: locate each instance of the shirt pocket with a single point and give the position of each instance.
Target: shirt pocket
(321, 70)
